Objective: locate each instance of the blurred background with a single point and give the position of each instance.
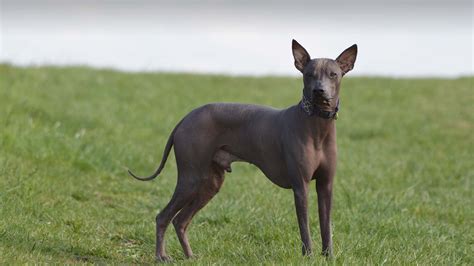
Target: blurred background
(395, 38)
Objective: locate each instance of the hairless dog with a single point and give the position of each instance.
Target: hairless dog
(291, 147)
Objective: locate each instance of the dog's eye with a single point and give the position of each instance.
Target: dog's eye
(333, 75)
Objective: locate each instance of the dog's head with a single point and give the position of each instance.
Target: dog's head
(322, 76)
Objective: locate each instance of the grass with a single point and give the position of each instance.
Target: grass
(403, 191)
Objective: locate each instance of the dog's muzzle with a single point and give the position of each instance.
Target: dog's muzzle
(308, 106)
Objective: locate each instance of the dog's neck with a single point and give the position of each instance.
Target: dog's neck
(311, 109)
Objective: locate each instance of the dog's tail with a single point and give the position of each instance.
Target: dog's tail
(166, 152)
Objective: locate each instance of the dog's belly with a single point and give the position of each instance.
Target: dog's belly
(280, 179)
(224, 157)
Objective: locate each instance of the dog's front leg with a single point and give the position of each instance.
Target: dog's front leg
(301, 202)
(324, 190)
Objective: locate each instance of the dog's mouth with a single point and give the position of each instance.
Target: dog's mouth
(322, 99)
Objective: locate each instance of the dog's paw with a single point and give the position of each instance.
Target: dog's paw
(327, 253)
(163, 259)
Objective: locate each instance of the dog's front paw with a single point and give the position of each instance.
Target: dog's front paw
(327, 253)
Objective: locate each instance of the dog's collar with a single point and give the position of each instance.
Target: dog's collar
(312, 109)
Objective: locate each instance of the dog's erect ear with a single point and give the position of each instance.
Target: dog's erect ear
(301, 55)
(347, 59)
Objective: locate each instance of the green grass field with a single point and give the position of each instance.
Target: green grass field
(403, 190)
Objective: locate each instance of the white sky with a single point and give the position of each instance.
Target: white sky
(404, 38)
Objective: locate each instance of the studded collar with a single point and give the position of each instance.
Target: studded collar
(311, 109)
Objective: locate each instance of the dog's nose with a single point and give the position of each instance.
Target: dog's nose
(318, 91)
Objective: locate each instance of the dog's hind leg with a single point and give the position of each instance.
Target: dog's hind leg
(179, 199)
(206, 191)
(182, 220)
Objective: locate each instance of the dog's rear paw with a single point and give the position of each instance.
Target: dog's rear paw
(163, 259)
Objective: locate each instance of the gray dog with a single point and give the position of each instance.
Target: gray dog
(291, 146)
